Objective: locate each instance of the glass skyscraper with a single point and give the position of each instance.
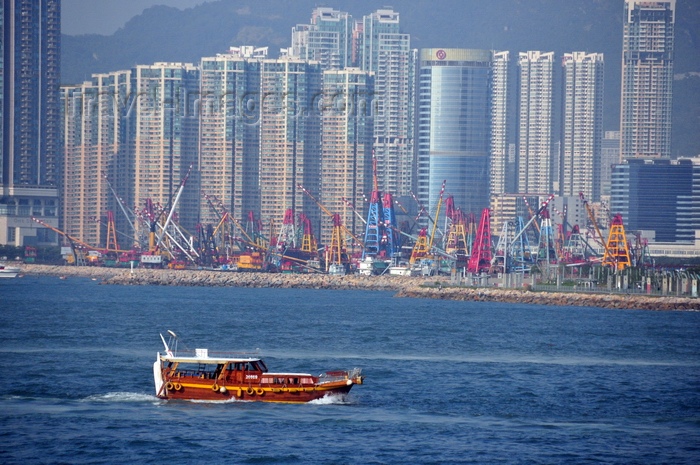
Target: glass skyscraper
(454, 126)
(647, 78)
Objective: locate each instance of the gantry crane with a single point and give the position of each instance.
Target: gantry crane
(456, 239)
(308, 240)
(480, 259)
(617, 252)
(518, 245)
(336, 255)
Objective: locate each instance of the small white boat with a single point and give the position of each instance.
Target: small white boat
(8, 271)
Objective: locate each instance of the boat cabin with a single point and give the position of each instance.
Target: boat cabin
(244, 371)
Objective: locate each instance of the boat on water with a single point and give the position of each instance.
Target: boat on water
(211, 376)
(8, 271)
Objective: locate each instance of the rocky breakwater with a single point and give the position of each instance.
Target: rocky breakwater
(94, 272)
(158, 277)
(260, 280)
(417, 287)
(523, 296)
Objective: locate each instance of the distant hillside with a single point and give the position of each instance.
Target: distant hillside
(168, 34)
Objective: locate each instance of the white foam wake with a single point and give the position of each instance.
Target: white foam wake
(122, 397)
(337, 399)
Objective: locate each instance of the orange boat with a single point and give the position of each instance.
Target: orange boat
(209, 376)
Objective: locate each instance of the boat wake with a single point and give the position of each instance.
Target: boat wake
(122, 397)
(330, 400)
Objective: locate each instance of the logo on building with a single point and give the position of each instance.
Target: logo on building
(441, 54)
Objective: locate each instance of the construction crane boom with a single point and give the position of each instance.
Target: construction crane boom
(174, 206)
(593, 220)
(325, 210)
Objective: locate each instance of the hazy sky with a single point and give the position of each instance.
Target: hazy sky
(106, 16)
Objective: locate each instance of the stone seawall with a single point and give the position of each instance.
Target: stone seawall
(415, 287)
(619, 301)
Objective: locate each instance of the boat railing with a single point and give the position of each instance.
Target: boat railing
(197, 353)
(339, 375)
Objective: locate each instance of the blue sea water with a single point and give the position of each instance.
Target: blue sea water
(447, 382)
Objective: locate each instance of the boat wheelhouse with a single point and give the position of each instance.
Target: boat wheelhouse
(212, 376)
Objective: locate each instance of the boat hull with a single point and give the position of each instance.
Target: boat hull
(187, 390)
(8, 271)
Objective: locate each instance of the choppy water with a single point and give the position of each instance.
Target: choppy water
(447, 382)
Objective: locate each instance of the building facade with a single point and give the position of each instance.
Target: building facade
(454, 127)
(94, 164)
(30, 33)
(229, 138)
(501, 178)
(535, 120)
(659, 197)
(290, 138)
(582, 124)
(346, 154)
(647, 78)
(163, 138)
(610, 155)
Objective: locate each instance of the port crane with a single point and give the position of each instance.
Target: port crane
(327, 212)
(381, 238)
(481, 256)
(456, 239)
(518, 249)
(617, 253)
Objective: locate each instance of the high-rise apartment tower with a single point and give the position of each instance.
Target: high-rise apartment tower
(30, 52)
(229, 138)
(327, 39)
(582, 124)
(387, 52)
(535, 100)
(647, 79)
(346, 154)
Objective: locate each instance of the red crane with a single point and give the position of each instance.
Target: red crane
(480, 259)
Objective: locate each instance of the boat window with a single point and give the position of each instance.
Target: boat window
(263, 367)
